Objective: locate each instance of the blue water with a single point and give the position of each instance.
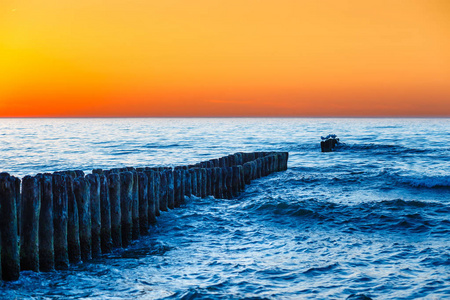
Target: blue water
(369, 220)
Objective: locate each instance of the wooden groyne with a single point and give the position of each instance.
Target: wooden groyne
(50, 221)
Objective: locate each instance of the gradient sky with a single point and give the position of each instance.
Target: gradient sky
(224, 58)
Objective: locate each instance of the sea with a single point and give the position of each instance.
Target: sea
(370, 220)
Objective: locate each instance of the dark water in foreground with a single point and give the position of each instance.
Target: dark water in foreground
(370, 219)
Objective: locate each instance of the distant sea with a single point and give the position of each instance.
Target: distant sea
(371, 220)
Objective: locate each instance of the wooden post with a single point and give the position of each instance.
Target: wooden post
(177, 187)
(18, 197)
(280, 161)
(230, 183)
(183, 183)
(96, 222)
(275, 162)
(254, 169)
(143, 203)
(199, 182)
(105, 215)
(271, 164)
(208, 181)
(73, 228)
(285, 160)
(170, 189)
(259, 168)
(212, 175)
(46, 230)
(10, 261)
(265, 169)
(135, 208)
(163, 201)
(248, 172)
(187, 183)
(236, 181)
(193, 175)
(116, 212)
(151, 196)
(241, 178)
(224, 182)
(239, 158)
(60, 214)
(157, 184)
(29, 241)
(126, 205)
(217, 183)
(222, 162)
(82, 195)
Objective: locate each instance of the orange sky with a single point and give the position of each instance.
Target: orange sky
(224, 58)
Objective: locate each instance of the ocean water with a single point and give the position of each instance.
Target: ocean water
(371, 220)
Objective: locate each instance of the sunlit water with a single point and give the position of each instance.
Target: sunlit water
(371, 219)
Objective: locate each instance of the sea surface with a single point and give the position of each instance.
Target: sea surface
(371, 220)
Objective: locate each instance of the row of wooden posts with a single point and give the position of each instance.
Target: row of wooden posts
(49, 221)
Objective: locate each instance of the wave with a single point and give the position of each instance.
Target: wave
(382, 148)
(396, 215)
(438, 181)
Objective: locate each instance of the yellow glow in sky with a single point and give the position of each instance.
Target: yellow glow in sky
(224, 58)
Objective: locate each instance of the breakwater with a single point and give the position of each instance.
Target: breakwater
(50, 221)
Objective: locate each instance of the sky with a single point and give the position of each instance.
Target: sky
(208, 58)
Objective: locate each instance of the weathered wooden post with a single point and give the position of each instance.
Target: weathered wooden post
(10, 260)
(207, 174)
(46, 230)
(29, 241)
(285, 160)
(73, 228)
(163, 199)
(280, 161)
(116, 211)
(241, 178)
(265, 169)
(222, 162)
(239, 158)
(217, 182)
(247, 172)
(187, 183)
(230, 183)
(193, 175)
(156, 187)
(60, 219)
(198, 173)
(177, 187)
(210, 184)
(272, 163)
(126, 205)
(105, 215)
(235, 181)
(259, 168)
(18, 196)
(224, 182)
(135, 207)
(151, 196)
(275, 162)
(183, 183)
(170, 189)
(254, 169)
(143, 203)
(204, 181)
(82, 195)
(96, 224)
